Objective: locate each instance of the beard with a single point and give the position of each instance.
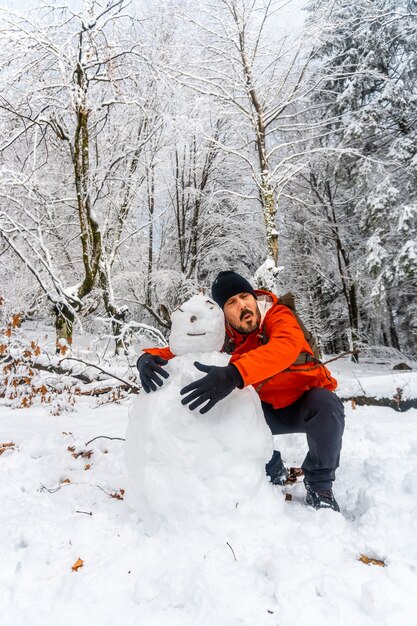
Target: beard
(252, 324)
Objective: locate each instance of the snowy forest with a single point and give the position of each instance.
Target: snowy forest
(147, 146)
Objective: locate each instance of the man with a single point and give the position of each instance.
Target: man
(269, 351)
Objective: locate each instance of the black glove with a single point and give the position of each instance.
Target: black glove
(149, 370)
(219, 382)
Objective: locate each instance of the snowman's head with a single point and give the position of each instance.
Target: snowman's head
(197, 326)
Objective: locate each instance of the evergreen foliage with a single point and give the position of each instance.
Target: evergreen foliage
(359, 190)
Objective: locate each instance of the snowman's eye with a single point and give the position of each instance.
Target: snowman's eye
(210, 302)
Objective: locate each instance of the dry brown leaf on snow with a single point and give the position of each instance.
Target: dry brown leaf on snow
(78, 563)
(85, 454)
(66, 481)
(5, 446)
(118, 495)
(35, 347)
(62, 348)
(16, 320)
(370, 561)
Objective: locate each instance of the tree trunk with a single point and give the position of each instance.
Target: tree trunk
(269, 212)
(151, 209)
(267, 194)
(64, 325)
(395, 341)
(116, 314)
(354, 321)
(342, 254)
(91, 240)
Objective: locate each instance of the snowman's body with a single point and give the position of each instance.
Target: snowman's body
(182, 463)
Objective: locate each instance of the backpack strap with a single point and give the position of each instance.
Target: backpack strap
(288, 300)
(304, 357)
(229, 344)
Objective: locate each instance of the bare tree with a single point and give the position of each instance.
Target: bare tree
(70, 158)
(257, 77)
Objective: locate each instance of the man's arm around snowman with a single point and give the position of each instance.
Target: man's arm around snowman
(216, 385)
(295, 398)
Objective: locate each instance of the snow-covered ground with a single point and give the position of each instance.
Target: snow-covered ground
(373, 380)
(283, 565)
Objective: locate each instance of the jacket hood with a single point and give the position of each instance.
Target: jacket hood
(261, 293)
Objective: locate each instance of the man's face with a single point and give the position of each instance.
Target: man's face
(242, 313)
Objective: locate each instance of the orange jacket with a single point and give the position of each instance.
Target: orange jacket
(268, 368)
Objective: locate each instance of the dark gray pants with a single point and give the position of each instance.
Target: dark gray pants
(320, 414)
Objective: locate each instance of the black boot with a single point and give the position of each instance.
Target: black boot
(321, 499)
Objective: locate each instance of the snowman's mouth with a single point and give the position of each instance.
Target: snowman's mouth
(195, 334)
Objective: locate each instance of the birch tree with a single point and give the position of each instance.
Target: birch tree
(256, 78)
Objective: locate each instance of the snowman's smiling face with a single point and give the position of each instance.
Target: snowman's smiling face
(197, 326)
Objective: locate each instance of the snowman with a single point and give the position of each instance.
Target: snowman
(184, 466)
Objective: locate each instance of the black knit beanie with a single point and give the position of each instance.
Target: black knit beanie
(228, 284)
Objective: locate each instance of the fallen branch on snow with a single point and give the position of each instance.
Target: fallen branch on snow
(104, 437)
(101, 391)
(55, 369)
(131, 386)
(340, 356)
(396, 403)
